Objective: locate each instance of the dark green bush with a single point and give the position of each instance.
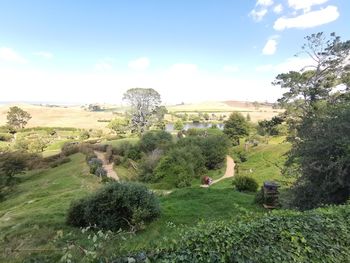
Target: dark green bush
(155, 139)
(245, 183)
(117, 159)
(94, 164)
(100, 172)
(115, 206)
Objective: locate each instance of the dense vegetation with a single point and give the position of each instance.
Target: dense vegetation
(115, 206)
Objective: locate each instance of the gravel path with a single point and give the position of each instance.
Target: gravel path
(230, 171)
(107, 166)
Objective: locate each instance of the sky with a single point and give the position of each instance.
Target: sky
(85, 51)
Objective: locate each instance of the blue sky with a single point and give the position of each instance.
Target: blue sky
(188, 50)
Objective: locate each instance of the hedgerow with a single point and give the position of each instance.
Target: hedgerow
(320, 235)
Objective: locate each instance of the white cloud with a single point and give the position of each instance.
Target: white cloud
(305, 4)
(44, 54)
(264, 2)
(9, 55)
(308, 20)
(278, 9)
(258, 15)
(270, 47)
(139, 64)
(230, 68)
(290, 64)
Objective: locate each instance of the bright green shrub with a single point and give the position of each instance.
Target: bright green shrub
(245, 183)
(117, 205)
(315, 236)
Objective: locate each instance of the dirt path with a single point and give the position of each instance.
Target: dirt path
(230, 171)
(107, 166)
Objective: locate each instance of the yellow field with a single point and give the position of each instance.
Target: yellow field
(60, 117)
(225, 108)
(79, 118)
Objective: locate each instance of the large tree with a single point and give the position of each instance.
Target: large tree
(317, 109)
(236, 127)
(17, 118)
(144, 104)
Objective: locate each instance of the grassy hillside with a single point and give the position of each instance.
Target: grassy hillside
(35, 212)
(32, 214)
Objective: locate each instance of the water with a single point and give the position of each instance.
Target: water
(198, 125)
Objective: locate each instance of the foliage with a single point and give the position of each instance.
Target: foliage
(94, 164)
(147, 165)
(84, 135)
(182, 164)
(214, 148)
(12, 163)
(178, 125)
(69, 148)
(17, 118)
(120, 126)
(270, 127)
(115, 206)
(60, 161)
(155, 139)
(245, 183)
(286, 236)
(317, 113)
(236, 127)
(323, 158)
(6, 137)
(128, 150)
(143, 103)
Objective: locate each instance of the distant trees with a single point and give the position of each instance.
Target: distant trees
(236, 127)
(144, 104)
(17, 118)
(178, 125)
(120, 126)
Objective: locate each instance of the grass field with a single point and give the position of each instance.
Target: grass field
(31, 216)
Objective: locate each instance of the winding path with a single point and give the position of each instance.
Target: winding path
(230, 171)
(107, 166)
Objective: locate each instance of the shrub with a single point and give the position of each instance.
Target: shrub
(245, 183)
(115, 206)
(155, 139)
(94, 163)
(320, 235)
(100, 172)
(69, 148)
(6, 137)
(148, 164)
(60, 162)
(117, 160)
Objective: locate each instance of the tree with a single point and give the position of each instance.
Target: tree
(120, 126)
(17, 118)
(236, 127)
(143, 103)
(270, 127)
(12, 163)
(318, 114)
(178, 125)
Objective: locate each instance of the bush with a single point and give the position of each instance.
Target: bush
(6, 137)
(100, 172)
(94, 163)
(148, 164)
(155, 139)
(69, 148)
(115, 206)
(284, 236)
(245, 183)
(128, 150)
(60, 162)
(117, 160)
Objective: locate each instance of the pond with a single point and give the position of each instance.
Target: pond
(198, 125)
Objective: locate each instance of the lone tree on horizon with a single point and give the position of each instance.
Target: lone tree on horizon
(144, 104)
(17, 118)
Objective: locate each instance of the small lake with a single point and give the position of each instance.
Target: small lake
(198, 125)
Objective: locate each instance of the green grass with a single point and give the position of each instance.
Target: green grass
(265, 162)
(31, 215)
(186, 207)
